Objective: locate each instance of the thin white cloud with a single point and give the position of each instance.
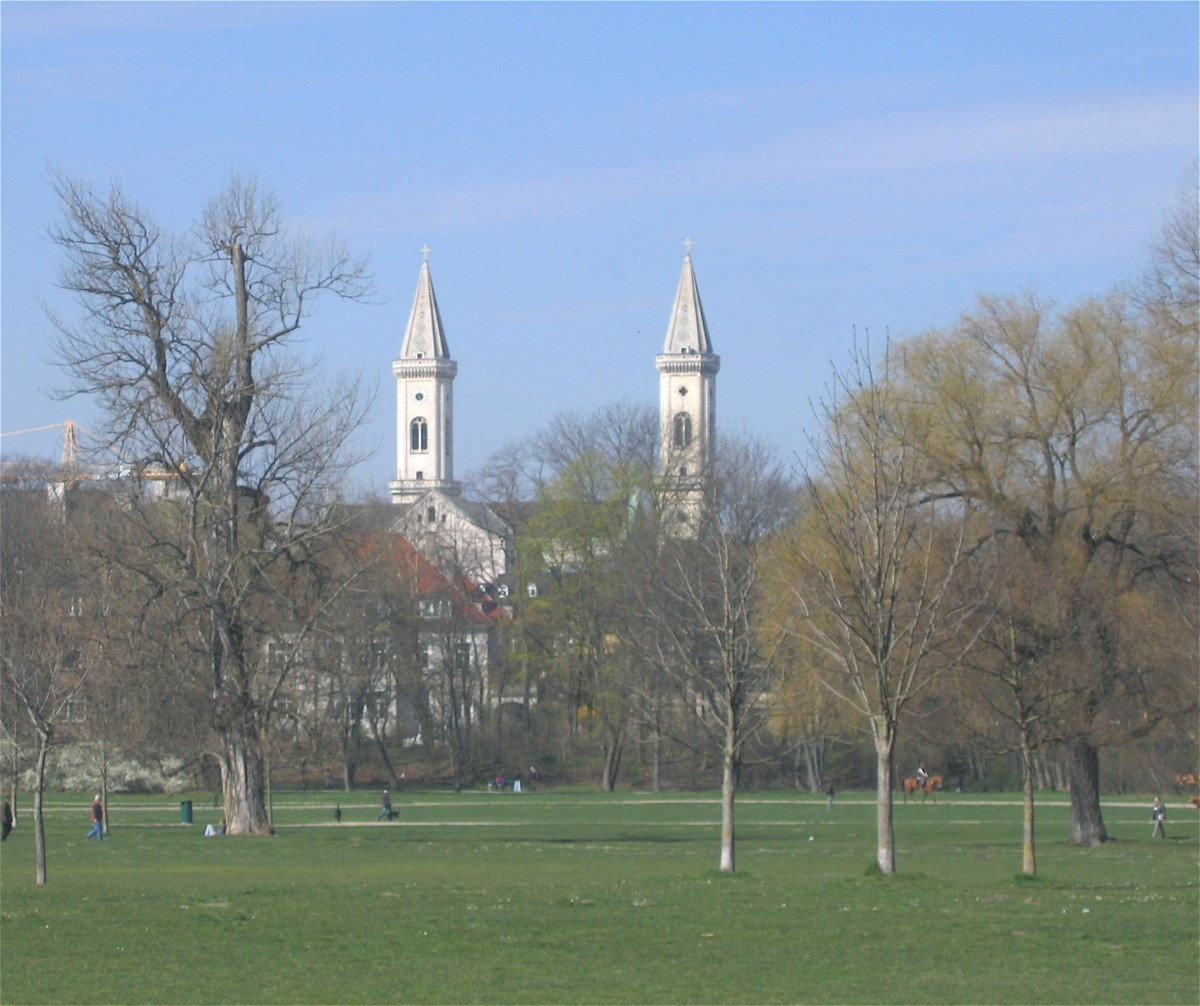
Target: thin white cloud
(983, 148)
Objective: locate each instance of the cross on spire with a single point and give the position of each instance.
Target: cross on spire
(687, 245)
(425, 252)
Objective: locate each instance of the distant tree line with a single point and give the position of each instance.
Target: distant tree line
(986, 560)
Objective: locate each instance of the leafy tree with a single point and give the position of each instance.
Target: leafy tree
(575, 493)
(184, 342)
(579, 538)
(1074, 438)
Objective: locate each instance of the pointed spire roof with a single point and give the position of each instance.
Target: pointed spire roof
(687, 331)
(424, 338)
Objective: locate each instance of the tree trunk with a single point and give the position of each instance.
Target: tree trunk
(656, 767)
(1028, 856)
(243, 779)
(814, 765)
(885, 744)
(612, 762)
(104, 766)
(728, 792)
(1087, 823)
(381, 746)
(39, 820)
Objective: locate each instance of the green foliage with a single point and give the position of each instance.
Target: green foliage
(574, 896)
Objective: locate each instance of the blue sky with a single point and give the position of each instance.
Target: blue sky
(837, 165)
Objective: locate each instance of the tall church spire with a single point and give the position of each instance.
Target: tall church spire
(424, 401)
(687, 405)
(687, 331)
(424, 337)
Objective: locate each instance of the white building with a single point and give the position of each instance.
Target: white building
(461, 535)
(687, 402)
(471, 536)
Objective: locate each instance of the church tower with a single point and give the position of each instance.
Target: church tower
(424, 401)
(687, 406)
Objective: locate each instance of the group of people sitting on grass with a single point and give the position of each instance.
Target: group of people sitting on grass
(517, 783)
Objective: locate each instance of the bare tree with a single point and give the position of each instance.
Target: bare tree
(1169, 289)
(184, 342)
(456, 637)
(46, 657)
(1013, 677)
(701, 600)
(869, 567)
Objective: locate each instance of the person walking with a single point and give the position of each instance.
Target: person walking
(97, 831)
(1158, 814)
(385, 809)
(6, 820)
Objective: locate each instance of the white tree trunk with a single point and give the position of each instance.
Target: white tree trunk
(728, 792)
(1028, 857)
(885, 741)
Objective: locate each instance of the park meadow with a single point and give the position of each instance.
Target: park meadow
(574, 896)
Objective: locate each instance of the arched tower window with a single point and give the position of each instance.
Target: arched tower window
(683, 430)
(419, 435)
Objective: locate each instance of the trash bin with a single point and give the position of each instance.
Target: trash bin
(185, 811)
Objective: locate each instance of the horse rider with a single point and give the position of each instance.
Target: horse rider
(922, 775)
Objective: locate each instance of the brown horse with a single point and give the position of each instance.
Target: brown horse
(911, 786)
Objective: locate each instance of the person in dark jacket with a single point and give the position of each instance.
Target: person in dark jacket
(1158, 814)
(386, 808)
(6, 820)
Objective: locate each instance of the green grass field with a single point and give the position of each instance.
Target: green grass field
(566, 896)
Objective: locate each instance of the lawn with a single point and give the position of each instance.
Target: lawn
(566, 896)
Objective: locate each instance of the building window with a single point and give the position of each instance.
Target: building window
(683, 430)
(432, 515)
(419, 435)
(436, 607)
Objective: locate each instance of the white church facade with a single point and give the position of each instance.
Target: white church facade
(470, 535)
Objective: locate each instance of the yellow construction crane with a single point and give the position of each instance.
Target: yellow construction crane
(70, 469)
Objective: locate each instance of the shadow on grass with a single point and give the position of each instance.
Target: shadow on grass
(899, 877)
